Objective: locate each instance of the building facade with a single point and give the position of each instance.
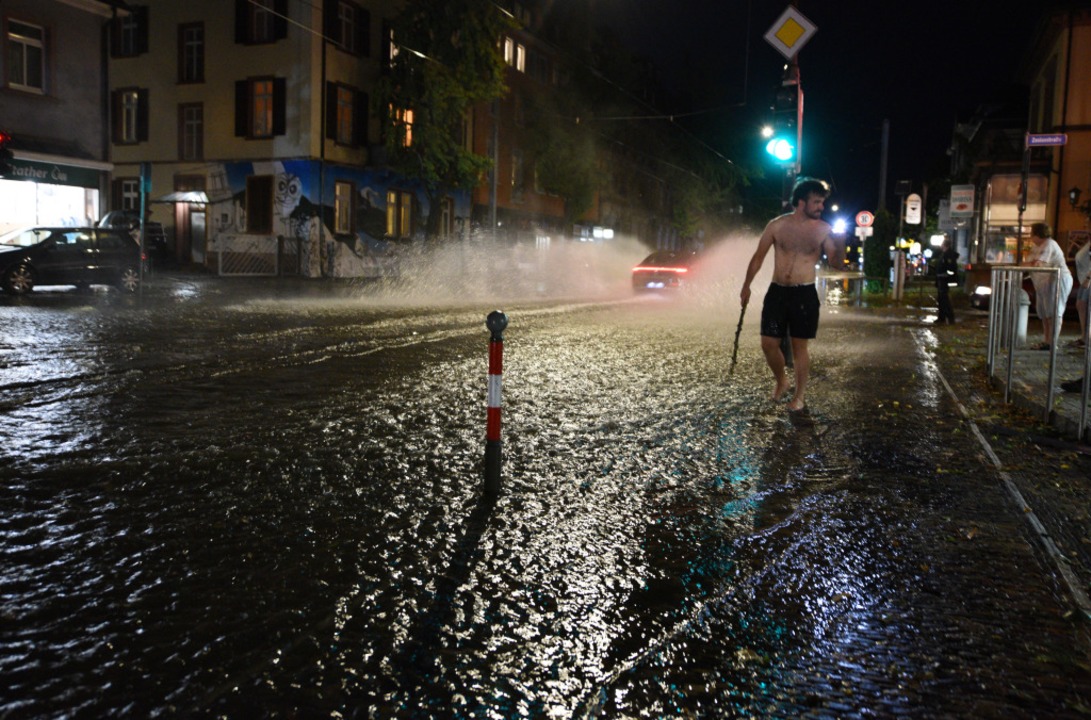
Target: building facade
(1057, 71)
(52, 103)
(253, 124)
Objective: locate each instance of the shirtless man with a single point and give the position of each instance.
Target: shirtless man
(791, 303)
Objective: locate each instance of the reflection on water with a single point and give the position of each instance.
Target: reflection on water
(255, 506)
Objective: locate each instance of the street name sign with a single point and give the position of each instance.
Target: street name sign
(790, 32)
(1046, 139)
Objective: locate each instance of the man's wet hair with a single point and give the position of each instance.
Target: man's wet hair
(807, 186)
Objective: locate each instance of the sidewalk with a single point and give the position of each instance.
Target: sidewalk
(1030, 378)
(1046, 463)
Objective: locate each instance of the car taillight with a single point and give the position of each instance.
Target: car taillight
(652, 268)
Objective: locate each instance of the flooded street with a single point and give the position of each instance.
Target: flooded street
(242, 499)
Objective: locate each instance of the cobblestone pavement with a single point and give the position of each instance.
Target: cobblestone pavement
(1049, 467)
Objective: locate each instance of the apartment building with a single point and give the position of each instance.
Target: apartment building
(253, 122)
(1057, 70)
(52, 103)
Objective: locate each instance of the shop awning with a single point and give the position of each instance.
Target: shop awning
(198, 197)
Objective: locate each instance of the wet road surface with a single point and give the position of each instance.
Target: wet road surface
(230, 500)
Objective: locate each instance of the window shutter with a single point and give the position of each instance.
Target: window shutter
(115, 115)
(359, 119)
(141, 15)
(142, 115)
(115, 37)
(329, 20)
(363, 32)
(280, 103)
(242, 108)
(331, 110)
(242, 21)
(280, 19)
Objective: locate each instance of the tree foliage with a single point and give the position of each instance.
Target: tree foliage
(447, 61)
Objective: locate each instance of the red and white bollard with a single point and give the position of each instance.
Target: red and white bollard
(495, 322)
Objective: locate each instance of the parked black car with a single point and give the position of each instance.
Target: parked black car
(68, 256)
(155, 243)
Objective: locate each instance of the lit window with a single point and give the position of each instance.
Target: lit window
(262, 113)
(399, 214)
(403, 121)
(346, 102)
(342, 205)
(260, 106)
(130, 113)
(520, 58)
(129, 192)
(26, 56)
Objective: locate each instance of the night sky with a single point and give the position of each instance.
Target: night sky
(921, 64)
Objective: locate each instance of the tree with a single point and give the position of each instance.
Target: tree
(564, 149)
(447, 61)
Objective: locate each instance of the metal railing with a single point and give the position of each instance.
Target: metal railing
(1004, 335)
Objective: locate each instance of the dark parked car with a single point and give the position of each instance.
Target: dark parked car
(155, 243)
(68, 256)
(664, 270)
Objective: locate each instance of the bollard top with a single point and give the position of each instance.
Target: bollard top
(496, 322)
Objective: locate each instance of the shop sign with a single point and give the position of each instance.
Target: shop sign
(53, 174)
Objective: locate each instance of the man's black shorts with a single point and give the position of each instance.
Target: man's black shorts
(790, 310)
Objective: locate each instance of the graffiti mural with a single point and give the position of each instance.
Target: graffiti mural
(303, 209)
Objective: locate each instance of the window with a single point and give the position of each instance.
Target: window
(399, 214)
(403, 125)
(129, 33)
(517, 173)
(191, 131)
(26, 56)
(520, 109)
(260, 108)
(126, 195)
(259, 204)
(348, 26)
(259, 22)
(447, 216)
(191, 53)
(346, 115)
(343, 193)
(130, 115)
(515, 54)
(538, 65)
(390, 49)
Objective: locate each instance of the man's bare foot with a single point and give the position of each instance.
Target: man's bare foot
(797, 405)
(781, 388)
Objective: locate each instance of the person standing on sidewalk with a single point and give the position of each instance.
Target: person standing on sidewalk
(1083, 276)
(946, 276)
(1047, 253)
(791, 304)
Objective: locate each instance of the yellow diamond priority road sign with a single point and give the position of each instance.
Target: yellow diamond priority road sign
(790, 32)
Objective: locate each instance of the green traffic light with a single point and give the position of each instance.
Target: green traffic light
(781, 149)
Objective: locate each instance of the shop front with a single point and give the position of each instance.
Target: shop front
(51, 190)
